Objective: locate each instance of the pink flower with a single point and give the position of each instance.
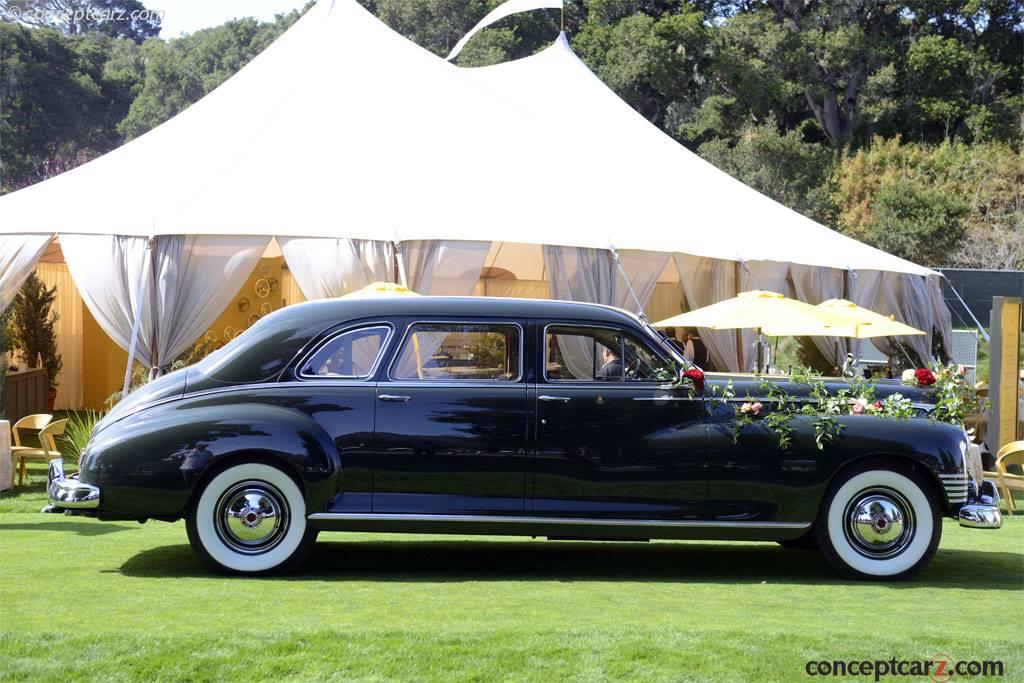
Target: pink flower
(859, 406)
(961, 370)
(751, 408)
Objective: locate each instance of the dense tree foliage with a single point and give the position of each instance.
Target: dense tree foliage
(898, 122)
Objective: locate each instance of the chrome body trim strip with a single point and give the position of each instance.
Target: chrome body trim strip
(578, 521)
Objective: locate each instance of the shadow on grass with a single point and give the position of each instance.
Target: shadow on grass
(80, 528)
(465, 560)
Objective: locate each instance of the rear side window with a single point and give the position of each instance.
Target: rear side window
(460, 352)
(351, 354)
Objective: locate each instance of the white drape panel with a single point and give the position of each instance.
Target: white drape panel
(191, 280)
(70, 334)
(706, 281)
(814, 284)
(864, 292)
(326, 267)
(18, 256)
(906, 297)
(941, 319)
(444, 267)
(591, 275)
(769, 276)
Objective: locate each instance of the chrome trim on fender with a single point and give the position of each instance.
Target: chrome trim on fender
(491, 519)
(955, 486)
(69, 493)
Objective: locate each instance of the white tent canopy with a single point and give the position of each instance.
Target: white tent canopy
(342, 127)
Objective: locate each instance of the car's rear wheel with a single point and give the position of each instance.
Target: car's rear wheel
(879, 523)
(250, 519)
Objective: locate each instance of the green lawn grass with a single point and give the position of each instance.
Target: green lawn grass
(81, 599)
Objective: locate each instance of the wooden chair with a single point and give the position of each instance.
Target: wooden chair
(28, 423)
(47, 452)
(1010, 454)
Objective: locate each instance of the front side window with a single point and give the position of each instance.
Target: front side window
(460, 351)
(597, 354)
(352, 354)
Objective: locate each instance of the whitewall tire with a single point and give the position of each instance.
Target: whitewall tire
(879, 523)
(250, 519)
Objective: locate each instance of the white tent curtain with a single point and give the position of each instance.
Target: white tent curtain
(191, 280)
(942, 322)
(813, 284)
(864, 292)
(706, 281)
(591, 275)
(443, 267)
(18, 256)
(906, 297)
(326, 267)
(767, 275)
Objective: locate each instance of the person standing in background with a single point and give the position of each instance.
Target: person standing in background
(688, 348)
(670, 333)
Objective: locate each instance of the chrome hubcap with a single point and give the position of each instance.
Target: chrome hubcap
(879, 523)
(252, 517)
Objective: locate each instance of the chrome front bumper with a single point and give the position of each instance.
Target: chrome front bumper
(67, 493)
(981, 511)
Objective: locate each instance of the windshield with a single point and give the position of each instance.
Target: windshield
(663, 343)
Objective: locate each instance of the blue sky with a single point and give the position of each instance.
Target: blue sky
(188, 16)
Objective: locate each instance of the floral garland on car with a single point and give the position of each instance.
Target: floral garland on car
(954, 399)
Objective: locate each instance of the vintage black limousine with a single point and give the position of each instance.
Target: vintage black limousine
(500, 416)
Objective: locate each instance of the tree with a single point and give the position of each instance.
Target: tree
(782, 166)
(113, 18)
(179, 72)
(32, 327)
(917, 223)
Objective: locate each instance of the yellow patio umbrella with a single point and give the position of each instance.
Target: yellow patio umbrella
(846, 319)
(380, 289)
(759, 310)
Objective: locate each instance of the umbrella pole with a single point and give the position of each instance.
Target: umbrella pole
(760, 349)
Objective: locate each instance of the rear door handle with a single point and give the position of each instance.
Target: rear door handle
(391, 398)
(554, 399)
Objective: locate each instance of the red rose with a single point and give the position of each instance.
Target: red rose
(695, 375)
(924, 377)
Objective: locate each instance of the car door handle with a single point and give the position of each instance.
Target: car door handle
(554, 399)
(391, 398)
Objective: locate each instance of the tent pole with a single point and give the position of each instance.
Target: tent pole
(629, 285)
(136, 323)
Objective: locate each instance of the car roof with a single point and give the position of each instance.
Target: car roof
(355, 308)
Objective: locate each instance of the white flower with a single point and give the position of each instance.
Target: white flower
(908, 377)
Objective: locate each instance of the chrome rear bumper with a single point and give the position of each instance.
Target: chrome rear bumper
(981, 511)
(67, 493)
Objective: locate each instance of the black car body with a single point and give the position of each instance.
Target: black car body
(481, 415)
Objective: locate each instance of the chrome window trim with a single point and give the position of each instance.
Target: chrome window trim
(591, 382)
(302, 377)
(579, 521)
(417, 381)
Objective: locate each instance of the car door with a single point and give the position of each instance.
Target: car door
(611, 440)
(451, 421)
(335, 388)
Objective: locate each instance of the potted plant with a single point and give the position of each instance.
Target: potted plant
(32, 323)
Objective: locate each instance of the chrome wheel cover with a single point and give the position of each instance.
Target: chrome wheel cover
(251, 517)
(879, 523)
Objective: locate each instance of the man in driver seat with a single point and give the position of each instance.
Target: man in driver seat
(612, 368)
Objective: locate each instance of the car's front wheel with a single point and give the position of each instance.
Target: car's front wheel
(250, 519)
(878, 522)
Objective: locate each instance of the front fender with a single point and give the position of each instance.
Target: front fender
(148, 464)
